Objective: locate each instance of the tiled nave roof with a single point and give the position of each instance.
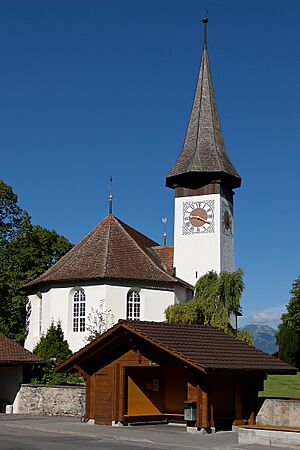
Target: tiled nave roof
(114, 251)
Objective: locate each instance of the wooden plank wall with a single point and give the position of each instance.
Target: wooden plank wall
(103, 396)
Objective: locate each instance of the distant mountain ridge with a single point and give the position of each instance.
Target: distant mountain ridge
(263, 337)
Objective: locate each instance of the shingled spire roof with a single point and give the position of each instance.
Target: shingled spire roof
(203, 157)
(111, 251)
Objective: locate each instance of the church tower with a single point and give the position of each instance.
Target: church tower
(203, 179)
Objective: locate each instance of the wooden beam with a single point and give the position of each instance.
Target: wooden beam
(204, 422)
(210, 383)
(238, 402)
(82, 372)
(123, 393)
(199, 407)
(116, 393)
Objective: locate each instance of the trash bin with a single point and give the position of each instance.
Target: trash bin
(9, 409)
(190, 411)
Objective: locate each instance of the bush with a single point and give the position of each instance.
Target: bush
(53, 349)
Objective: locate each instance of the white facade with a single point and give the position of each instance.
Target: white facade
(10, 381)
(209, 246)
(57, 304)
(227, 236)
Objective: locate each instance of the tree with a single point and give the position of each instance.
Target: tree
(26, 251)
(12, 217)
(53, 349)
(288, 336)
(216, 296)
(98, 321)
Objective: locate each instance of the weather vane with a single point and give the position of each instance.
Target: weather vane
(110, 196)
(164, 221)
(205, 20)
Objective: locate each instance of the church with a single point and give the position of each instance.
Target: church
(124, 274)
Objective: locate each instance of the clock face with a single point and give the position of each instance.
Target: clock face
(227, 219)
(198, 217)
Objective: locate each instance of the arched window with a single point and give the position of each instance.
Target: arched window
(79, 311)
(133, 306)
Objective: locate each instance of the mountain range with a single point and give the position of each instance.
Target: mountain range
(263, 337)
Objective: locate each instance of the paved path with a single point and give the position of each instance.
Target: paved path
(63, 433)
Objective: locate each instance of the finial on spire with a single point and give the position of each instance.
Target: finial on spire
(205, 20)
(110, 196)
(164, 221)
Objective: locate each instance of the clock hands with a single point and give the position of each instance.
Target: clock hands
(199, 218)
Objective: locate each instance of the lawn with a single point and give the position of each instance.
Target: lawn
(281, 386)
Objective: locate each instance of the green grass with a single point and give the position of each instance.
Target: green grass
(285, 386)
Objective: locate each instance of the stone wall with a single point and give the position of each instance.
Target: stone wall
(279, 412)
(37, 399)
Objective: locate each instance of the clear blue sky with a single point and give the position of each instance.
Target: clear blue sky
(100, 88)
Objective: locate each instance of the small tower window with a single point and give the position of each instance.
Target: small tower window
(79, 311)
(133, 306)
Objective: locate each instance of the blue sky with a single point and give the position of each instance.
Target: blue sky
(93, 89)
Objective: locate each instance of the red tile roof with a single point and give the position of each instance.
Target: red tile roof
(13, 353)
(166, 254)
(207, 347)
(112, 250)
(203, 347)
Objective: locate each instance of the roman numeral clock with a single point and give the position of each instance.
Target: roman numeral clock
(198, 217)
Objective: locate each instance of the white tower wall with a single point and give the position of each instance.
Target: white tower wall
(199, 250)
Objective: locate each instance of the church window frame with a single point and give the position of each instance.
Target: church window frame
(79, 311)
(133, 306)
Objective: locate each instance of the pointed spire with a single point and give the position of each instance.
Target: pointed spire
(203, 157)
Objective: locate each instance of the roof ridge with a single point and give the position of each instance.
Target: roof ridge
(211, 100)
(125, 226)
(201, 72)
(147, 254)
(166, 346)
(107, 243)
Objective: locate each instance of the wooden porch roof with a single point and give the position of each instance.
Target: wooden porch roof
(204, 348)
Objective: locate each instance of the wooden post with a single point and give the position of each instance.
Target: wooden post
(199, 407)
(92, 396)
(253, 393)
(238, 403)
(123, 393)
(116, 393)
(205, 423)
(210, 384)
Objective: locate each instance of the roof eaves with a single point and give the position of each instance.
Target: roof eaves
(72, 360)
(169, 277)
(17, 362)
(164, 347)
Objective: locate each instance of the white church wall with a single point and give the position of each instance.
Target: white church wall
(155, 303)
(57, 305)
(116, 301)
(182, 294)
(34, 331)
(196, 253)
